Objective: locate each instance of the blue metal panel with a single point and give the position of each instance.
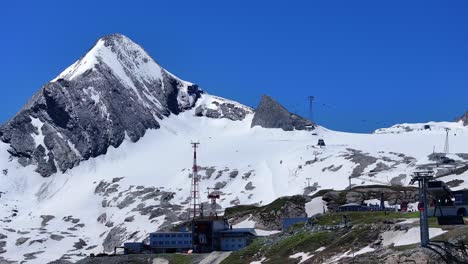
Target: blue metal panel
(182, 240)
(458, 198)
(133, 247)
(233, 243)
(236, 239)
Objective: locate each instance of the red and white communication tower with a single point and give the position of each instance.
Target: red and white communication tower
(195, 203)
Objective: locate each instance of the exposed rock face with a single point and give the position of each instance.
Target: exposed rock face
(464, 118)
(393, 195)
(115, 90)
(270, 217)
(270, 114)
(222, 108)
(362, 159)
(114, 238)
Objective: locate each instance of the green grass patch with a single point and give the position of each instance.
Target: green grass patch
(406, 247)
(300, 242)
(246, 255)
(363, 217)
(393, 188)
(432, 221)
(320, 193)
(279, 252)
(276, 205)
(240, 210)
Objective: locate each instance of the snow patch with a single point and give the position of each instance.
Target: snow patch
(320, 249)
(315, 206)
(258, 262)
(402, 238)
(38, 138)
(303, 256)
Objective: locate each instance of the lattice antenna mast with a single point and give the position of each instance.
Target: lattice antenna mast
(446, 146)
(311, 104)
(194, 206)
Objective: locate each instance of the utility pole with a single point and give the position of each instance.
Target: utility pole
(423, 177)
(349, 178)
(315, 155)
(195, 204)
(311, 113)
(308, 182)
(446, 147)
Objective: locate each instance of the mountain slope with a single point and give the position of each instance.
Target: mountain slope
(113, 132)
(142, 187)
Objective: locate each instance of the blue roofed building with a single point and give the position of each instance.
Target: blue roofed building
(208, 234)
(170, 242)
(236, 239)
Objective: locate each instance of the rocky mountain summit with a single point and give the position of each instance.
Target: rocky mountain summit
(271, 114)
(115, 91)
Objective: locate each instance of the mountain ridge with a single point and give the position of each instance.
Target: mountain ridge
(115, 90)
(123, 164)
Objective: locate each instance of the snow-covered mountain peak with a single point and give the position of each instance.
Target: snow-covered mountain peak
(115, 91)
(123, 56)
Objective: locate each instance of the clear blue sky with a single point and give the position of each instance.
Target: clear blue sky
(369, 63)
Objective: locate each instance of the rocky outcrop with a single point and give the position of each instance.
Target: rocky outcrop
(464, 118)
(392, 194)
(116, 90)
(116, 237)
(362, 159)
(271, 114)
(221, 108)
(269, 217)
